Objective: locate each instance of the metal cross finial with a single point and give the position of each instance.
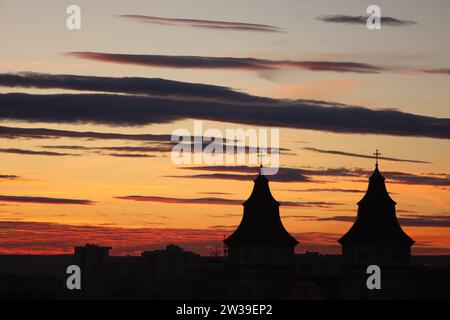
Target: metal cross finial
(377, 156)
(260, 157)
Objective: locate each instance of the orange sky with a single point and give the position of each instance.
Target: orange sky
(88, 170)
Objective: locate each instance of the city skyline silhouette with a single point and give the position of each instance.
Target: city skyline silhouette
(257, 262)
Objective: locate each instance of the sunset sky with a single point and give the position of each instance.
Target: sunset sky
(86, 118)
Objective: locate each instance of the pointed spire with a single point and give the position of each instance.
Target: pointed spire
(261, 190)
(261, 222)
(376, 222)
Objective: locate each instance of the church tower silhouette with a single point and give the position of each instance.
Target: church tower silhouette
(260, 251)
(376, 238)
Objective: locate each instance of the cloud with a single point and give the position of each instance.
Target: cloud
(245, 64)
(301, 114)
(209, 200)
(215, 193)
(443, 71)
(203, 62)
(248, 64)
(35, 153)
(160, 147)
(43, 133)
(328, 190)
(356, 155)
(287, 174)
(130, 155)
(9, 177)
(128, 85)
(228, 228)
(362, 20)
(245, 173)
(162, 142)
(44, 200)
(221, 201)
(442, 221)
(142, 151)
(121, 151)
(414, 179)
(208, 24)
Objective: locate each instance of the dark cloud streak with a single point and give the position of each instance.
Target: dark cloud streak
(350, 154)
(44, 133)
(35, 153)
(441, 221)
(9, 177)
(299, 114)
(209, 24)
(286, 174)
(44, 200)
(220, 201)
(362, 20)
(128, 85)
(249, 63)
(204, 62)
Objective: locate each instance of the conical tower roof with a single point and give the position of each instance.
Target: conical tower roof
(376, 222)
(261, 223)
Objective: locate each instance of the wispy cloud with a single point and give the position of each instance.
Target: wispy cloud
(35, 153)
(9, 177)
(208, 200)
(44, 200)
(208, 24)
(418, 179)
(416, 220)
(288, 174)
(215, 193)
(362, 20)
(204, 62)
(44, 133)
(148, 151)
(341, 190)
(131, 155)
(435, 71)
(358, 155)
(250, 64)
(442, 221)
(245, 173)
(160, 147)
(221, 201)
(128, 85)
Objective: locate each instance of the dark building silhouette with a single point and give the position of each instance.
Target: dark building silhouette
(93, 262)
(376, 238)
(260, 251)
(173, 270)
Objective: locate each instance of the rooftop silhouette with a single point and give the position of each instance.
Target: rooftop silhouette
(261, 222)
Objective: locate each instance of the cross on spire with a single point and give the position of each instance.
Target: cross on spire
(377, 156)
(260, 157)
